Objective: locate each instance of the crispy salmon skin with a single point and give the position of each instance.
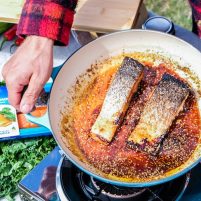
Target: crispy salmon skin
(161, 109)
(117, 99)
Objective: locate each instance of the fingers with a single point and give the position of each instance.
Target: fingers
(15, 84)
(14, 95)
(31, 94)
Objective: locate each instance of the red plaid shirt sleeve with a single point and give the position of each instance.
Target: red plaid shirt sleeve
(196, 9)
(48, 18)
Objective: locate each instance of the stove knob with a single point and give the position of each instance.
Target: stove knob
(23, 197)
(159, 23)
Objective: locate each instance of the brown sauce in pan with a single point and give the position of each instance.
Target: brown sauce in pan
(118, 160)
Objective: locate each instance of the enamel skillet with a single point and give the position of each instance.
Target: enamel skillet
(105, 47)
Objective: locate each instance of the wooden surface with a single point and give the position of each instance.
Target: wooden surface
(10, 10)
(106, 15)
(91, 15)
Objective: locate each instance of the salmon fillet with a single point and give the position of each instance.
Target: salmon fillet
(116, 102)
(161, 109)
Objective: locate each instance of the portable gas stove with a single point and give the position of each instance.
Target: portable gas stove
(57, 179)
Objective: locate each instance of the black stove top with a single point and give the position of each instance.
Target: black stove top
(56, 178)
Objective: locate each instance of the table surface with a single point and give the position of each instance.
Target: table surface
(188, 36)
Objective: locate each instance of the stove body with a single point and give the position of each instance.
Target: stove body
(57, 179)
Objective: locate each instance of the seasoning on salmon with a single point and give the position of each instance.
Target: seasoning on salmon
(116, 102)
(161, 109)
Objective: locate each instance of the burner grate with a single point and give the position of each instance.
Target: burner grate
(116, 191)
(96, 190)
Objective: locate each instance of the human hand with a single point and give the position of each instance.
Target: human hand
(30, 67)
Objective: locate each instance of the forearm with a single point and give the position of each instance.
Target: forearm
(48, 18)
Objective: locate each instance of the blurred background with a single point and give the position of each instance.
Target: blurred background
(177, 10)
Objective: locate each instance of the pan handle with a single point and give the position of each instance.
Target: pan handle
(44, 120)
(55, 71)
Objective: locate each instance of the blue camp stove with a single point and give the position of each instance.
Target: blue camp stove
(57, 179)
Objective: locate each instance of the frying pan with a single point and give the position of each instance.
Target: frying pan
(105, 47)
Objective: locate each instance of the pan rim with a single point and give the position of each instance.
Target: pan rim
(101, 178)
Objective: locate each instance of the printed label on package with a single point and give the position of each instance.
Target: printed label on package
(8, 121)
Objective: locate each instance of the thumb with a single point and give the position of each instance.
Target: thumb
(31, 94)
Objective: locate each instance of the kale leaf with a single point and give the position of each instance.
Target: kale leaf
(17, 158)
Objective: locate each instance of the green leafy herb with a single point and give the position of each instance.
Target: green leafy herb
(17, 158)
(3, 83)
(6, 112)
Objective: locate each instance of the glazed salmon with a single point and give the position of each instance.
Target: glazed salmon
(118, 96)
(165, 103)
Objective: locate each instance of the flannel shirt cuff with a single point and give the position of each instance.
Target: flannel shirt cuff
(46, 19)
(196, 11)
